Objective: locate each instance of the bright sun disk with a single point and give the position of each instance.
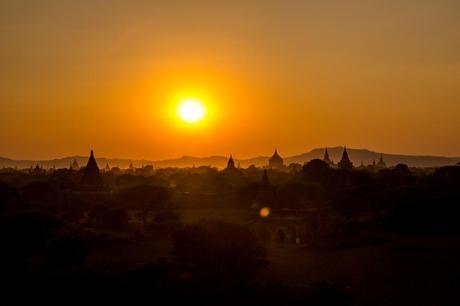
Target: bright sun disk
(191, 110)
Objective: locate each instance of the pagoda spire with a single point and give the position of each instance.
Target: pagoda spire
(231, 163)
(381, 163)
(345, 162)
(91, 175)
(326, 158)
(276, 161)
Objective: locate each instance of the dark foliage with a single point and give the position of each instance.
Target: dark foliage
(59, 241)
(218, 251)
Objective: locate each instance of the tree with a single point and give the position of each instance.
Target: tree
(25, 235)
(113, 218)
(218, 251)
(316, 170)
(65, 252)
(146, 198)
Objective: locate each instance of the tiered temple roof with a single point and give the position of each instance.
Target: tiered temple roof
(231, 164)
(91, 175)
(327, 159)
(275, 162)
(345, 162)
(381, 163)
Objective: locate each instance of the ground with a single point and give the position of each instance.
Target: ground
(401, 271)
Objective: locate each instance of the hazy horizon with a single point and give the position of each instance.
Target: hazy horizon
(334, 151)
(233, 153)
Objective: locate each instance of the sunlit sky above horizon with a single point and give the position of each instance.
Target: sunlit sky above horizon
(107, 75)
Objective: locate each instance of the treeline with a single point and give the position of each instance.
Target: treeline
(49, 228)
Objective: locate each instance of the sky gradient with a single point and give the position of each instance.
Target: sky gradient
(104, 75)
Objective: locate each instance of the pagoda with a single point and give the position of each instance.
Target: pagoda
(327, 159)
(131, 167)
(381, 164)
(345, 163)
(91, 176)
(230, 164)
(275, 162)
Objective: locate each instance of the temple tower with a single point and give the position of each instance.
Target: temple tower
(230, 164)
(327, 159)
(91, 176)
(275, 162)
(381, 164)
(345, 162)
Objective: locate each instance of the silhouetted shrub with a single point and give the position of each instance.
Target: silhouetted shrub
(146, 198)
(7, 192)
(40, 192)
(24, 235)
(65, 252)
(167, 217)
(112, 218)
(327, 294)
(316, 169)
(402, 170)
(223, 252)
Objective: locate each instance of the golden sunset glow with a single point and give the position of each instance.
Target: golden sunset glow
(191, 110)
(256, 88)
(231, 151)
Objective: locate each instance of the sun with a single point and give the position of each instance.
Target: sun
(191, 110)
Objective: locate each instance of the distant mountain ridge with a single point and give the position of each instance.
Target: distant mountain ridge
(367, 157)
(356, 156)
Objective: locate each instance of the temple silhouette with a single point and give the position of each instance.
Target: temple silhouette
(327, 159)
(230, 164)
(345, 163)
(91, 178)
(275, 162)
(381, 164)
(74, 165)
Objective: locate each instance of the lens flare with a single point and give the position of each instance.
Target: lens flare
(264, 212)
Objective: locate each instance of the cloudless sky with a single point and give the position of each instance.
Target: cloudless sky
(104, 75)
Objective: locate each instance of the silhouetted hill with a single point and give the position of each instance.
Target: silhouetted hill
(367, 157)
(214, 161)
(66, 161)
(190, 161)
(356, 155)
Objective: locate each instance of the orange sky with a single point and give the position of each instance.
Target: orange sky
(292, 74)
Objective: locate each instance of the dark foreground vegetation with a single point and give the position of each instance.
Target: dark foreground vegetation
(201, 236)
